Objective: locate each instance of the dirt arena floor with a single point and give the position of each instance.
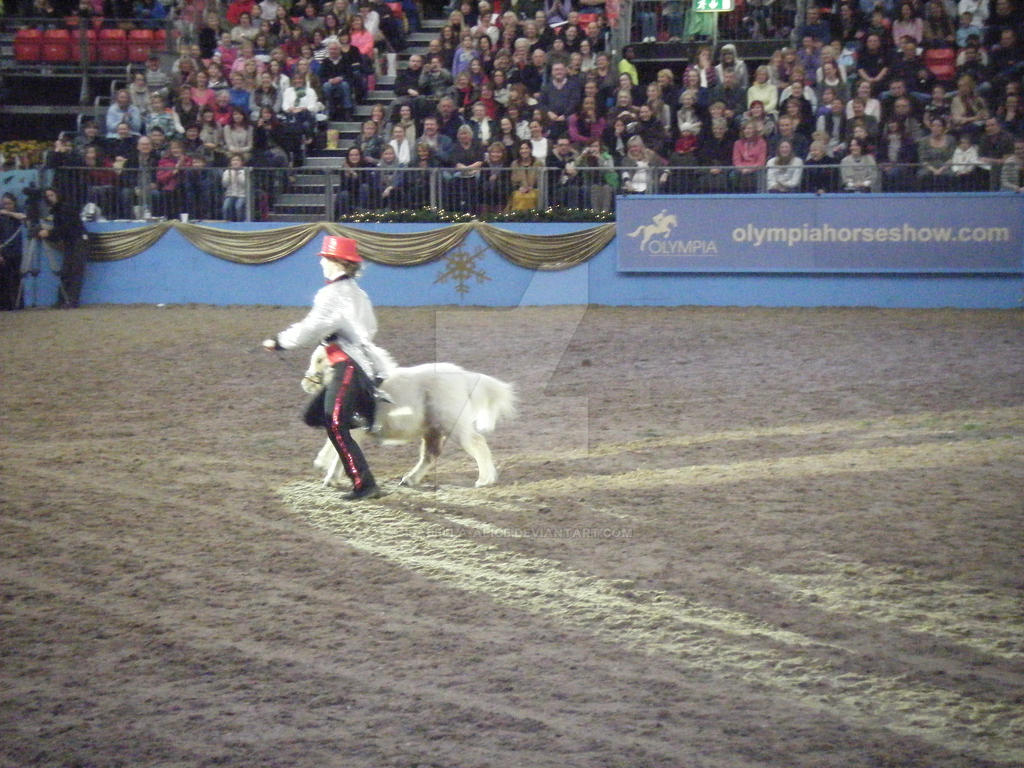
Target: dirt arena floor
(720, 538)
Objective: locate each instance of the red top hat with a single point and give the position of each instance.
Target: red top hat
(340, 249)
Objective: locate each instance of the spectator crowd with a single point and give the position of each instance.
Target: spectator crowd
(526, 106)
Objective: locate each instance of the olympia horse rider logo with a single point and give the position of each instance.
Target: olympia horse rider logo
(663, 224)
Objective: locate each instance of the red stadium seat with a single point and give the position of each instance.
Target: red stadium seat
(112, 45)
(140, 45)
(90, 41)
(27, 44)
(56, 47)
(941, 62)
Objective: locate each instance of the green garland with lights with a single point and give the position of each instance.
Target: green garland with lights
(432, 215)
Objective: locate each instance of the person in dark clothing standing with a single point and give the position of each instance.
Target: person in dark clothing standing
(11, 220)
(63, 230)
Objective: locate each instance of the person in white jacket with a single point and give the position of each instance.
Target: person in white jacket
(300, 106)
(342, 319)
(785, 170)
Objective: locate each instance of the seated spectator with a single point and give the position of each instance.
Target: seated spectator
(89, 137)
(757, 115)
(799, 112)
(965, 165)
(935, 153)
(123, 111)
(402, 146)
(586, 125)
(441, 146)
(370, 142)
(896, 154)
(994, 145)
(819, 172)
(729, 92)
(495, 181)
(641, 172)
(299, 110)
(360, 37)
(354, 192)
(244, 29)
(784, 170)
(1012, 174)
(387, 180)
(763, 90)
(860, 118)
(559, 98)
(139, 92)
(464, 54)
(830, 79)
(939, 29)
(616, 138)
(169, 194)
(786, 131)
(186, 109)
(564, 184)
(525, 179)
(872, 63)
(832, 127)
(967, 110)
(728, 60)
(815, 27)
(650, 130)
(163, 117)
(211, 134)
(1010, 114)
(157, 81)
(467, 158)
(858, 171)
(238, 135)
(937, 105)
(907, 25)
(485, 130)
(418, 179)
(597, 170)
(1007, 57)
(749, 155)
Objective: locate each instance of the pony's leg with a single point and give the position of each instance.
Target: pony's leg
(475, 445)
(323, 459)
(430, 449)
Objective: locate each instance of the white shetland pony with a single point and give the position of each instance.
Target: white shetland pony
(428, 403)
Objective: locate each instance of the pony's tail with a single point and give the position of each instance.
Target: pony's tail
(493, 400)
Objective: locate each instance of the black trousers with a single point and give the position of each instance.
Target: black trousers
(349, 393)
(72, 271)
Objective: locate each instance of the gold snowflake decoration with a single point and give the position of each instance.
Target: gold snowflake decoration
(461, 267)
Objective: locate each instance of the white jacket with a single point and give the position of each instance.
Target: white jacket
(342, 308)
(309, 101)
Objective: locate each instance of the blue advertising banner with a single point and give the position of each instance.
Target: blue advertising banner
(827, 233)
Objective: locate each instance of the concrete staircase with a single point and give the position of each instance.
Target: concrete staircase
(305, 198)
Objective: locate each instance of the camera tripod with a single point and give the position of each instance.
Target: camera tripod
(31, 266)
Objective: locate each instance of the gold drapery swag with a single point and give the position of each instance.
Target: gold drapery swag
(398, 249)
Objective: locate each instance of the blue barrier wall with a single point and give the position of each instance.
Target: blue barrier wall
(175, 271)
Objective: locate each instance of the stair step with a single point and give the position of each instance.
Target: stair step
(295, 217)
(292, 200)
(322, 161)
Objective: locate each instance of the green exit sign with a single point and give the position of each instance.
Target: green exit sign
(713, 6)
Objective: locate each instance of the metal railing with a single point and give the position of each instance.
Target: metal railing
(337, 193)
(681, 20)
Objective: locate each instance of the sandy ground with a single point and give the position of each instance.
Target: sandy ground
(719, 538)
